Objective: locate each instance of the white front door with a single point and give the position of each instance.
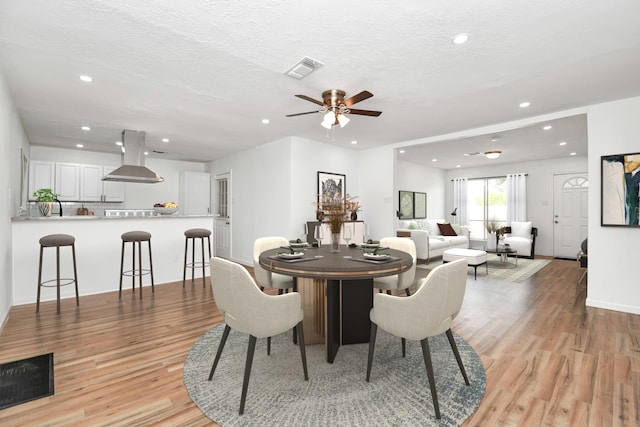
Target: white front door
(222, 232)
(570, 218)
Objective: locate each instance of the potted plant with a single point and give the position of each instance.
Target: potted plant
(492, 226)
(45, 198)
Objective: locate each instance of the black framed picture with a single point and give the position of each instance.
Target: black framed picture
(419, 205)
(330, 186)
(620, 180)
(405, 203)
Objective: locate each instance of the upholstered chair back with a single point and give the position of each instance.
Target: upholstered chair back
(264, 277)
(407, 245)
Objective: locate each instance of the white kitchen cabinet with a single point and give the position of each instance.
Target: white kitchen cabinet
(67, 182)
(195, 193)
(41, 175)
(93, 189)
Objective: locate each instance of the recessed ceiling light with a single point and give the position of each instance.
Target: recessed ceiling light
(457, 166)
(165, 139)
(119, 143)
(461, 38)
(79, 145)
(354, 142)
(86, 78)
(495, 138)
(265, 121)
(572, 154)
(524, 104)
(401, 151)
(146, 153)
(547, 127)
(87, 128)
(563, 143)
(434, 160)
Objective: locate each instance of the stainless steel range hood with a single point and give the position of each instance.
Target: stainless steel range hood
(133, 169)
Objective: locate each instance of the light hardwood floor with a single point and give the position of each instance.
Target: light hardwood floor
(549, 360)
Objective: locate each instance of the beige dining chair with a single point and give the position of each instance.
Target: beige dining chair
(427, 313)
(248, 310)
(405, 279)
(265, 278)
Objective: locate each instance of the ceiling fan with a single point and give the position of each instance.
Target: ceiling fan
(334, 107)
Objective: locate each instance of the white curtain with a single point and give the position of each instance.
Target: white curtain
(516, 197)
(460, 201)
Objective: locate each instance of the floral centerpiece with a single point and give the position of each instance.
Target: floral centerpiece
(335, 209)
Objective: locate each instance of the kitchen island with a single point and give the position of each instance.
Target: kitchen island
(98, 245)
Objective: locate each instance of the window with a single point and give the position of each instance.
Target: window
(223, 202)
(486, 200)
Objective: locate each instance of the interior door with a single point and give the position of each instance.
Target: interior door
(222, 238)
(570, 201)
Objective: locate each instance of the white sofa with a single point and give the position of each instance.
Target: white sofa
(428, 239)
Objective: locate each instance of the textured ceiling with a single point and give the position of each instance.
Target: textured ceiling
(204, 73)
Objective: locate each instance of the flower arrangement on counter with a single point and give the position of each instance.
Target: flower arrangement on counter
(335, 208)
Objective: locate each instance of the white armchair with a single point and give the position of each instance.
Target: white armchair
(521, 236)
(248, 310)
(405, 279)
(428, 312)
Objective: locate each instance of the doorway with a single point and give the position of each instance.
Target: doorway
(222, 247)
(570, 215)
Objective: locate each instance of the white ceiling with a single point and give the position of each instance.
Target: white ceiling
(205, 73)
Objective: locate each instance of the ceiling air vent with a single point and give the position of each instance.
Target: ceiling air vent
(303, 68)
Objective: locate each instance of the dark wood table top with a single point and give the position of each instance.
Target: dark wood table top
(349, 263)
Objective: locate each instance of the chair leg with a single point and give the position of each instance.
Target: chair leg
(40, 280)
(223, 341)
(58, 276)
(184, 269)
(303, 352)
(75, 273)
(372, 345)
(247, 372)
(203, 266)
(150, 267)
(193, 258)
(268, 346)
(454, 347)
(121, 269)
(404, 347)
(139, 265)
(406, 291)
(426, 353)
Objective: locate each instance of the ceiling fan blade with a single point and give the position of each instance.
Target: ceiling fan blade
(365, 112)
(365, 94)
(301, 114)
(308, 98)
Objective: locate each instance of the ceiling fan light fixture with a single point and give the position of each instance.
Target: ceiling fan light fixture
(492, 154)
(343, 120)
(328, 120)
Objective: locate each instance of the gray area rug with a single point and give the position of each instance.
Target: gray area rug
(498, 270)
(336, 394)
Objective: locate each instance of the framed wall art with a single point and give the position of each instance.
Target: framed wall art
(419, 205)
(330, 186)
(405, 202)
(620, 195)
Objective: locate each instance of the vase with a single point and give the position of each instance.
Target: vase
(354, 216)
(491, 241)
(335, 242)
(45, 208)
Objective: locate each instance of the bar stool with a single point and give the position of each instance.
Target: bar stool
(136, 237)
(56, 241)
(193, 234)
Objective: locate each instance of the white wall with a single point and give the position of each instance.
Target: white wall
(12, 140)
(539, 190)
(137, 196)
(274, 188)
(425, 179)
(614, 252)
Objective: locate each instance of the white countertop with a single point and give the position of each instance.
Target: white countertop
(97, 217)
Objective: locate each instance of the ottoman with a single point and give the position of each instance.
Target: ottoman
(474, 258)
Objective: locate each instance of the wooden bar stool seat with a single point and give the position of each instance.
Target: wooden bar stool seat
(192, 234)
(134, 237)
(57, 241)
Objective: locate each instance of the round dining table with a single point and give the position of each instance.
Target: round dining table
(336, 289)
